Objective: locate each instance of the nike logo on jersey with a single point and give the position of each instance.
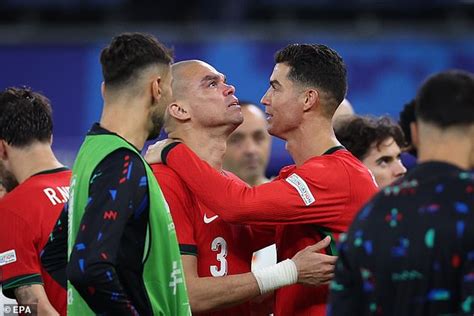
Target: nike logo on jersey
(207, 220)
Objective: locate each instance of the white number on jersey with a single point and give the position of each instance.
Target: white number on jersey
(219, 245)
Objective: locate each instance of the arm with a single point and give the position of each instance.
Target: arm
(209, 293)
(93, 260)
(270, 203)
(35, 297)
(307, 267)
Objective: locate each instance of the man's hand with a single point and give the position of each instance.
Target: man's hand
(153, 153)
(315, 268)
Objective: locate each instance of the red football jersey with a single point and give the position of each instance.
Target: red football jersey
(308, 202)
(221, 248)
(29, 213)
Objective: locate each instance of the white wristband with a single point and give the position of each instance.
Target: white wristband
(276, 276)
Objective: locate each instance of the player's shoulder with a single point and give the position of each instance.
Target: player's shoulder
(14, 203)
(57, 176)
(168, 178)
(122, 158)
(332, 164)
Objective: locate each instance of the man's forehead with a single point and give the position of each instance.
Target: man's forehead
(387, 147)
(280, 69)
(193, 69)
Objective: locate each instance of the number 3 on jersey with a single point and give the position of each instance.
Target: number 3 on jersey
(219, 245)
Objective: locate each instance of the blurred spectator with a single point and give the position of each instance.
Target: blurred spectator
(377, 142)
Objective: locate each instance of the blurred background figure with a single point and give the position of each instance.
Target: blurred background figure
(377, 142)
(248, 147)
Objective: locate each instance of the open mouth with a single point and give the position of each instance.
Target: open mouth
(236, 104)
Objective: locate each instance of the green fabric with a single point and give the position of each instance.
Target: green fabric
(332, 250)
(163, 273)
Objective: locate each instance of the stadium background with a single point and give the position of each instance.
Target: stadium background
(389, 47)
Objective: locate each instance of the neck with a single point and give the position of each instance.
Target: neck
(128, 120)
(452, 149)
(31, 160)
(208, 144)
(452, 145)
(312, 138)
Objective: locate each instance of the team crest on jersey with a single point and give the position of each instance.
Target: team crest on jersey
(302, 187)
(7, 257)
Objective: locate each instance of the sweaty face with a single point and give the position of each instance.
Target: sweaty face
(159, 107)
(284, 113)
(248, 147)
(211, 101)
(384, 162)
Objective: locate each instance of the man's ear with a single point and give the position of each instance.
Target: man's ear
(415, 135)
(178, 112)
(310, 99)
(156, 89)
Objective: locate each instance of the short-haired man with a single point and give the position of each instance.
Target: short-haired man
(124, 254)
(410, 250)
(31, 210)
(377, 142)
(314, 198)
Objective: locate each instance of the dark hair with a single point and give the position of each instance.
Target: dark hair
(358, 133)
(25, 117)
(316, 65)
(446, 99)
(407, 116)
(129, 53)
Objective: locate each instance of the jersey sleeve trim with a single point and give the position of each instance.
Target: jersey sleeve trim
(9, 285)
(188, 249)
(166, 150)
